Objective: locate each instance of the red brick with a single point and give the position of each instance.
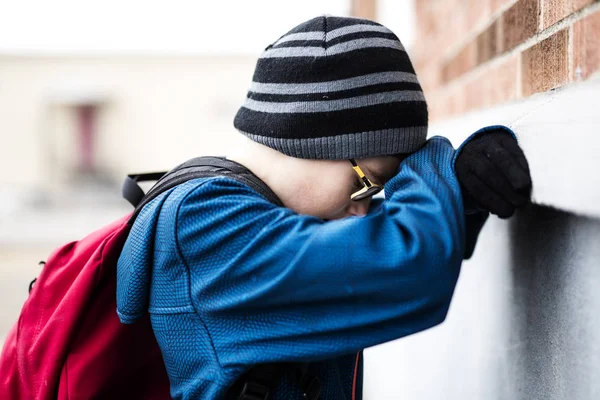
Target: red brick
(496, 4)
(487, 43)
(556, 10)
(519, 23)
(477, 12)
(364, 9)
(430, 23)
(429, 77)
(475, 90)
(545, 65)
(428, 47)
(493, 86)
(445, 103)
(443, 24)
(421, 8)
(436, 106)
(423, 13)
(586, 46)
(463, 62)
(433, 106)
(456, 101)
(501, 82)
(450, 19)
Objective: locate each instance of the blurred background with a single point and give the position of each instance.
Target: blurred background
(91, 91)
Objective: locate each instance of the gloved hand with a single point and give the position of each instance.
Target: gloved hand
(493, 170)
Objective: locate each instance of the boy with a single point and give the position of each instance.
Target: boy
(233, 281)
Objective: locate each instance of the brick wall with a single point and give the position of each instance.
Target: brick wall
(364, 9)
(471, 54)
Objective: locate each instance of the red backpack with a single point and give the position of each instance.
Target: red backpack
(68, 342)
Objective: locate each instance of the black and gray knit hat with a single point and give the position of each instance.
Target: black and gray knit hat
(335, 88)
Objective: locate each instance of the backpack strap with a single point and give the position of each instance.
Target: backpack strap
(132, 192)
(200, 167)
(261, 380)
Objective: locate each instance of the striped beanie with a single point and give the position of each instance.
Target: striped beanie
(335, 88)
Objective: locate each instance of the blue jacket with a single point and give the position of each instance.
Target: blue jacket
(231, 280)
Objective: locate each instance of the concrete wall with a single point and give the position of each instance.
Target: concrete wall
(523, 323)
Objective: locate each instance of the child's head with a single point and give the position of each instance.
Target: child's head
(330, 90)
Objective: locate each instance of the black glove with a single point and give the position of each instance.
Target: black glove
(493, 171)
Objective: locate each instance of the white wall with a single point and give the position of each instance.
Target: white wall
(523, 323)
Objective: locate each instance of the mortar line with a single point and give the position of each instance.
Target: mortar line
(472, 34)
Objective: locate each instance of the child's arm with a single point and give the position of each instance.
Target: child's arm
(292, 287)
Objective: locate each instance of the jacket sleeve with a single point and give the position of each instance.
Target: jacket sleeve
(475, 217)
(273, 285)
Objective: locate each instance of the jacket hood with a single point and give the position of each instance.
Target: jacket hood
(135, 265)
